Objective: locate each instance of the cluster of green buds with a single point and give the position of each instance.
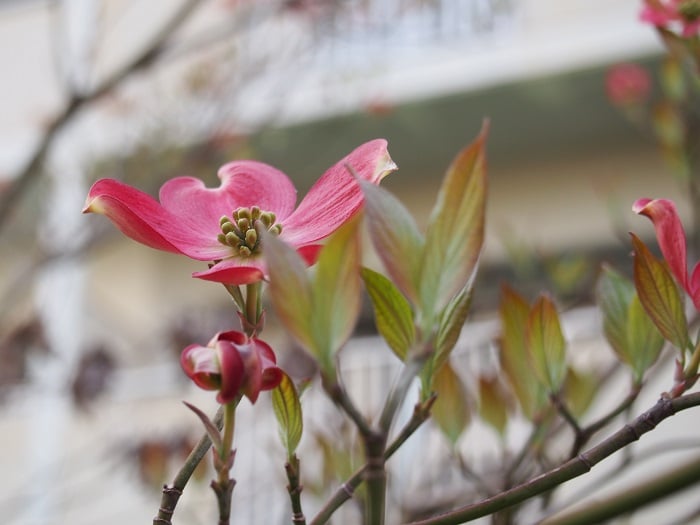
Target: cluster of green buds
(242, 231)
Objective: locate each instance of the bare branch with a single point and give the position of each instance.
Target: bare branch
(32, 170)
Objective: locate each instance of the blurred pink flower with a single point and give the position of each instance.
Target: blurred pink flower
(233, 364)
(224, 224)
(672, 242)
(667, 13)
(627, 84)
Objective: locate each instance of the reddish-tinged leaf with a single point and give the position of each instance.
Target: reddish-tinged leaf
(493, 403)
(645, 341)
(395, 237)
(450, 325)
(626, 325)
(392, 313)
(290, 291)
(285, 403)
(615, 293)
(546, 344)
(209, 426)
(580, 391)
(336, 291)
(456, 230)
(514, 312)
(659, 295)
(451, 410)
(321, 312)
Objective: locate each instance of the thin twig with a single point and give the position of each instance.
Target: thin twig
(421, 413)
(172, 493)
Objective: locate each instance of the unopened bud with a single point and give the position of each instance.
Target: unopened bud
(228, 227)
(266, 219)
(232, 239)
(251, 238)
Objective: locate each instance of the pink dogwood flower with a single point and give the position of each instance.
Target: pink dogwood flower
(233, 364)
(224, 225)
(669, 13)
(672, 242)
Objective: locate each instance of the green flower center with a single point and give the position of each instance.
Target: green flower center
(689, 10)
(242, 231)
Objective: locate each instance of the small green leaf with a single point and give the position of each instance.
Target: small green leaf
(546, 344)
(451, 411)
(659, 295)
(645, 341)
(580, 391)
(615, 293)
(320, 313)
(395, 236)
(287, 408)
(514, 312)
(290, 291)
(455, 230)
(493, 403)
(336, 291)
(626, 325)
(450, 324)
(392, 313)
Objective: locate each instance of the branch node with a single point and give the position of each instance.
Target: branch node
(583, 458)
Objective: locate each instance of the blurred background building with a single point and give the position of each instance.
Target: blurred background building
(92, 323)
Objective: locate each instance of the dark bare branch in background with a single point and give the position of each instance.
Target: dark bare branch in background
(76, 101)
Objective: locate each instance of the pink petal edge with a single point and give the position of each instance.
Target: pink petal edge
(336, 196)
(141, 218)
(669, 233)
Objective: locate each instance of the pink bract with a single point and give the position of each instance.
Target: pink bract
(672, 242)
(187, 218)
(234, 365)
(685, 14)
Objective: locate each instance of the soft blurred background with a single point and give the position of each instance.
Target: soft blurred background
(91, 324)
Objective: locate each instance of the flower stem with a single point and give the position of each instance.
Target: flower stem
(229, 427)
(223, 462)
(294, 488)
(172, 493)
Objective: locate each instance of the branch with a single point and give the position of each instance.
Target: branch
(171, 494)
(32, 170)
(631, 498)
(421, 413)
(294, 488)
(573, 468)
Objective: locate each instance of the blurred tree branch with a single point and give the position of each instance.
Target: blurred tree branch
(76, 101)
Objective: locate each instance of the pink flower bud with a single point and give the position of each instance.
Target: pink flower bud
(627, 84)
(233, 364)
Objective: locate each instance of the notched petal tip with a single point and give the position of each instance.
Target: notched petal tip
(639, 205)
